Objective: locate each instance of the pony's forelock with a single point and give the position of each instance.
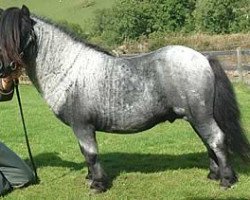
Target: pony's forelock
(10, 35)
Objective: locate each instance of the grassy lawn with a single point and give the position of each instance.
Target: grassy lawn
(166, 162)
(74, 11)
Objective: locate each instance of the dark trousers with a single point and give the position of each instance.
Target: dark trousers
(14, 172)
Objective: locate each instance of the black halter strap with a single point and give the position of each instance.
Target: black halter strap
(31, 39)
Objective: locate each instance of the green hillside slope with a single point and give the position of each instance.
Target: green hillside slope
(74, 11)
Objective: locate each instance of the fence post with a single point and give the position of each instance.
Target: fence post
(239, 63)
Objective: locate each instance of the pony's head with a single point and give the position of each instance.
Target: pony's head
(17, 36)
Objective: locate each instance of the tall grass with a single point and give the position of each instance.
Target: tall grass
(198, 41)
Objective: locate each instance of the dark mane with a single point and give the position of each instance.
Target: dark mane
(10, 35)
(64, 27)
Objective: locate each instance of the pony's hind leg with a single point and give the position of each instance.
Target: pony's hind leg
(88, 145)
(214, 173)
(214, 139)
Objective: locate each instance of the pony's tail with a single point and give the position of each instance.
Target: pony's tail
(227, 113)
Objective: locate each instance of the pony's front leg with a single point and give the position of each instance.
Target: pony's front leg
(88, 146)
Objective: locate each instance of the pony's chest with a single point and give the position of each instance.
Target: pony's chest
(57, 92)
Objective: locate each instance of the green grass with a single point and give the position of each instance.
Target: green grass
(74, 11)
(165, 162)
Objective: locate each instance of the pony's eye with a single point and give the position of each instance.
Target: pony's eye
(1, 69)
(12, 65)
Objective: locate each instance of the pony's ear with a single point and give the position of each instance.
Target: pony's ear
(33, 22)
(1, 11)
(25, 10)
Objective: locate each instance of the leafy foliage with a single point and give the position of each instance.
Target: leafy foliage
(242, 19)
(132, 19)
(219, 16)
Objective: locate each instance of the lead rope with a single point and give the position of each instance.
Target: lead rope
(25, 132)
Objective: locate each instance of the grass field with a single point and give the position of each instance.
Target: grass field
(74, 11)
(166, 162)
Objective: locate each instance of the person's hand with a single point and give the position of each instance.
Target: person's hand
(8, 81)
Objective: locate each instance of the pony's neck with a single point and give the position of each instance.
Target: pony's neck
(58, 62)
(55, 46)
(58, 52)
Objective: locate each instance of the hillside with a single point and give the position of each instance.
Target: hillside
(74, 11)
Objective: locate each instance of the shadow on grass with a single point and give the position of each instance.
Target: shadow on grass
(53, 159)
(118, 162)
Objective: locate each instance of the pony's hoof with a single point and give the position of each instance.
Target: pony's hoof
(89, 177)
(213, 176)
(98, 186)
(228, 183)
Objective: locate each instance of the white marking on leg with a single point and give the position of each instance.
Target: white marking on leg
(89, 147)
(217, 138)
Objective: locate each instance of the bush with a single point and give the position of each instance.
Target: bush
(130, 19)
(242, 20)
(133, 19)
(217, 16)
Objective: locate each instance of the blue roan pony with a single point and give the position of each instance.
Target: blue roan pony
(90, 90)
